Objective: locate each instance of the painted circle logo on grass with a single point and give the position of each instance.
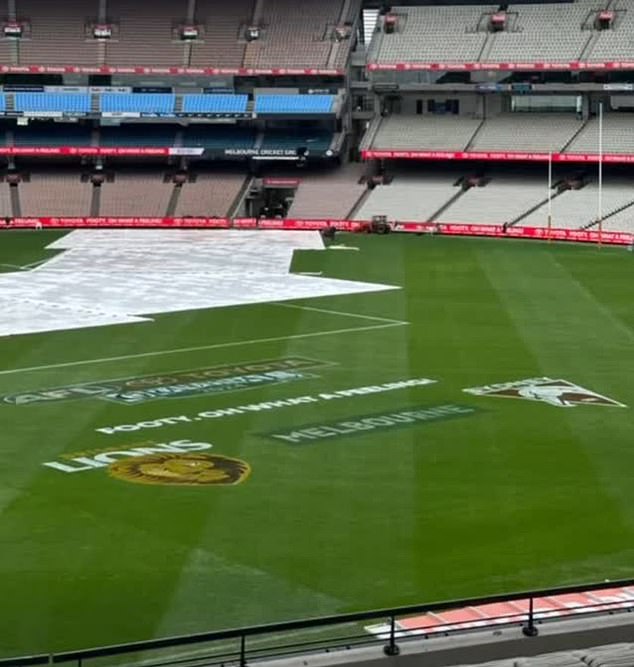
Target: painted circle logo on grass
(181, 470)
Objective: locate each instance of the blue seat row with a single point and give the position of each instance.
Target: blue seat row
(294, 104)
(163, 103)
(52, 102)
(215, 103)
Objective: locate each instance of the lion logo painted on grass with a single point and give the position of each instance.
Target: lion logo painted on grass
(181, 470)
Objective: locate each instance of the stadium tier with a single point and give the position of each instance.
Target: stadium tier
(404, 132)
(432, 34)
(178, 33)
(507, 132)
(300, 34)
(132, 104)
(501, 198)
(57, 33)
(547, 33)
(553, 31)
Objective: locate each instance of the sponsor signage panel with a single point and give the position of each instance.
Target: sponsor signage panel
(497, 156)
(508, 66)
(449, 229)
(169, 71)
(90, 151)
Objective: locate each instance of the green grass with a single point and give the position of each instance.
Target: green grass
(519, 495)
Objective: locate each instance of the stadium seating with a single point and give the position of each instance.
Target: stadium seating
(409, 198)
(55, 193)
(615, 655)
(52, 102)
(144, 38)
(616, 44)
(328, 193)
(222, 42)
(135, 193)
(617, 135)
(573, 209)
(217, 104)
(428, 132)
(294, 104)
(211, 194)
(432, 34)
(58, 33)
(5, 200)
(150, 103)
(500, 201)
(526, 132)
(548, 32)
(623, 221)
(503, 198)
(296, 35)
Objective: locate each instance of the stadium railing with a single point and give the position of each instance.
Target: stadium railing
(341, 631)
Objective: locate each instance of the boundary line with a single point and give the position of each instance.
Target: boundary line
(339, 312)
(215, 346)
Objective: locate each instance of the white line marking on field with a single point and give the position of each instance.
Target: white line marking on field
(215, 346)
(340, 312)
(32, 265)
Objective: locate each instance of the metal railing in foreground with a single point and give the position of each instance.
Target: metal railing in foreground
(526, 611)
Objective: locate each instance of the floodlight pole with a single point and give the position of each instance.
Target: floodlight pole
(600, 199)
(550, 199)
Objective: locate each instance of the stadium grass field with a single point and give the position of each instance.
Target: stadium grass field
(516, 495)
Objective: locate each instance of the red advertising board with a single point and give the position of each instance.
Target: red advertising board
(169, 71)
(541, 233)
(510, 66)
(44, 151)
(496, 156)
(449, 229)
(165, 151)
